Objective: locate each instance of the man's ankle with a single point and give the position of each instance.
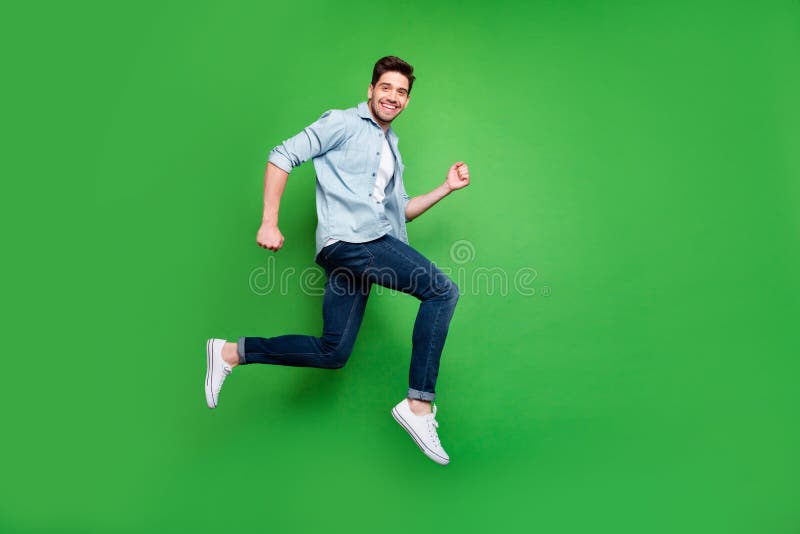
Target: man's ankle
(419, 407)
(230, 354)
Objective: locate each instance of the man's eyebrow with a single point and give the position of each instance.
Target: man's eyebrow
(389, 85)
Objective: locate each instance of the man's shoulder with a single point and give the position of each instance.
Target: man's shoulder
(344, 122)
(348, 114)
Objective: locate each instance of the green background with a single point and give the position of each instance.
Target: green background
(641, 158)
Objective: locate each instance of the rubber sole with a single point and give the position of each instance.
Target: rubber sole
(425, 450)
(210, 373)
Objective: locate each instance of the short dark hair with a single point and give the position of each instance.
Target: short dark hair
(393, 64)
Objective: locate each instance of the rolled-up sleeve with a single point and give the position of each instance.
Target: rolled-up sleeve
(319, 137)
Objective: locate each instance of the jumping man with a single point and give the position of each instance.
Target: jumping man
(361, 239)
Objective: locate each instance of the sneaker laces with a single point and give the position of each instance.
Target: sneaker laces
(226, 370)
(433, 424)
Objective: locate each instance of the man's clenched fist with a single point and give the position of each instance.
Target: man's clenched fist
(269, 237)
(458, 176)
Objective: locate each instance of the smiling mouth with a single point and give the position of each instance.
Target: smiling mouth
(388, 107)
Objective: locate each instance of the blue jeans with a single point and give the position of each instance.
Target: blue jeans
(352, 268)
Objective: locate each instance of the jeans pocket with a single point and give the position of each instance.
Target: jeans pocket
(353, 257)
(330, 249)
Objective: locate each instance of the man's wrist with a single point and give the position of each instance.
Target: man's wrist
(445, 188)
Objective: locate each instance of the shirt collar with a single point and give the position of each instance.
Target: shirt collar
(364, 112)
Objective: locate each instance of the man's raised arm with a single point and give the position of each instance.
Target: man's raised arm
(457, 177)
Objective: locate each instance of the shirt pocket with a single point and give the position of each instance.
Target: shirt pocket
(354, 160)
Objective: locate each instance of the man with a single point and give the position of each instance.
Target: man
(361, 239)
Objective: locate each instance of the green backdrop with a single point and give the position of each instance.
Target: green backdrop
(623, 358)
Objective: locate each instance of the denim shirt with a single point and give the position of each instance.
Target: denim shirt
(346, 148)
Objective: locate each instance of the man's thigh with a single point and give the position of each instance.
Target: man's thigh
(388, 262)
(398, 266)
(344, 302)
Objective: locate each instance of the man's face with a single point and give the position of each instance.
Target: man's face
(388, 97)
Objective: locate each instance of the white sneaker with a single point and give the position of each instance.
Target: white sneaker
(216, 370)
(422, 429)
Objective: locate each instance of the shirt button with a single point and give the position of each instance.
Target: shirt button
(373, 174)
(377, 153)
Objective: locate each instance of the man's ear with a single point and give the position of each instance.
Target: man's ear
(369, 92)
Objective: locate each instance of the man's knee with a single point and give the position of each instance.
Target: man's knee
(444, 289)
(449, 290)
(338, 359)
(454, 291)
(336, 355)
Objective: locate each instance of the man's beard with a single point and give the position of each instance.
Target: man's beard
(376, 111)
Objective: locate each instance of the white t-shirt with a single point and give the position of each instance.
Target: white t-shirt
(385, 173)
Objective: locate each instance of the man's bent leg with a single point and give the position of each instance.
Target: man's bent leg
(398, 266)
(343, 309)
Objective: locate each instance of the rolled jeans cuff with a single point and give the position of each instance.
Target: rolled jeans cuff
(240, 350)
(420, 395)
